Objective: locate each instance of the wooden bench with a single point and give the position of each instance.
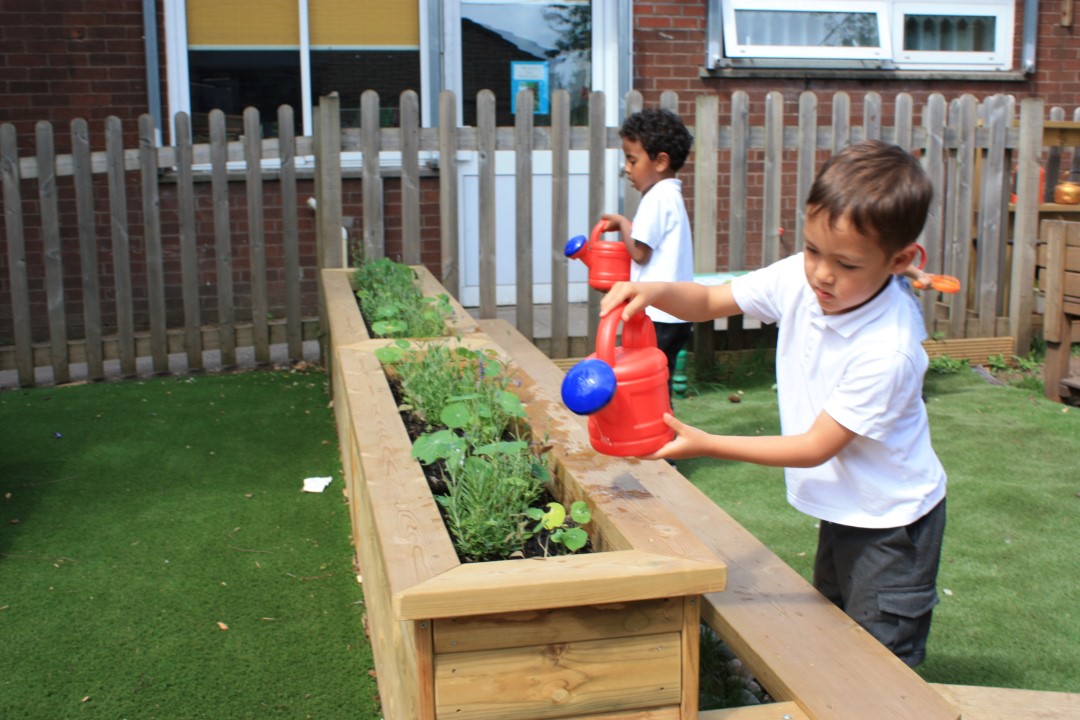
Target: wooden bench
(1059, 274)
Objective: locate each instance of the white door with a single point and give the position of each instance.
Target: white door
(495, 45)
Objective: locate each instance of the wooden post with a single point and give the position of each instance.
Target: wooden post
(54, 263)
(560, 198)
(523, 211)
(706, 146)
(597, 191)
(222, 239)
(260, 329)
(448, 193)
(88, 252)
(1025, 227)
(121, 246)
(16, 250)
(290, 234)
(933, 234)
(328, 167)
(774, 177)
(374, 228)
(189, 243)
(485, 150)
(155, 261)
(410, 178)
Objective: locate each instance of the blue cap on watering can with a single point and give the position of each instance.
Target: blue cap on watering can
(588, 386)
(574, 245)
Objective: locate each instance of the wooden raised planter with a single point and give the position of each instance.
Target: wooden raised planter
(613, 633)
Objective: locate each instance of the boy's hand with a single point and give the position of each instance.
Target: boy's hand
(689, 442)
(634, 295)
(616, 221)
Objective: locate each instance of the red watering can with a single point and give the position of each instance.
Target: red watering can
(623, 390)
(608, 261)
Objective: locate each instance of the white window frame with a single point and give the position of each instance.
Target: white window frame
(724, 46)
(1004, 27)
(736, 49)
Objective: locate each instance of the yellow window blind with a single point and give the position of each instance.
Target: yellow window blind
(331, 23)
(228, 23)
(364, 23)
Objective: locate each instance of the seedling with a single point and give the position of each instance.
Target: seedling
(571, 537)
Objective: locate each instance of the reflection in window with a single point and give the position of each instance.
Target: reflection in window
(351, 72)
(949, 33)
(807, 29)
(495, 34)
(232, 80)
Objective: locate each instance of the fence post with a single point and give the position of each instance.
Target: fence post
(50, 240)
(328, 196)
(13, 225)
(706, 145)
(374, 232)
(88, 249)
(1025, 229)
(155, 260)
(523, 215)
(327, 204)
(448, 193)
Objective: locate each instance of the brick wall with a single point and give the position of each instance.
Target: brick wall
(67, 59)
(669, 54)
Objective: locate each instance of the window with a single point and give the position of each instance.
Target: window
(887, 34)
(232, 54)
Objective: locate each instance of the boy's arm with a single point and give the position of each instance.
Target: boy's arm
(689, 301)
(639, 251)
(823, 441)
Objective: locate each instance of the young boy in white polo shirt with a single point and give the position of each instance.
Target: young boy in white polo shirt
(656, 144)
(849, 367)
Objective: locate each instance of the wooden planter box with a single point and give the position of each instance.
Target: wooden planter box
(609, 634)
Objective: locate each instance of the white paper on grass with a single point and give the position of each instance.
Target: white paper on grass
(316, 484)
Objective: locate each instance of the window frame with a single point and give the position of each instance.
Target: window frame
(1004, 28)
(720, 38)
(807, 52)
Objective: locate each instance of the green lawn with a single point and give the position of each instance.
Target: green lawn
(137, 516)
(1009, 575)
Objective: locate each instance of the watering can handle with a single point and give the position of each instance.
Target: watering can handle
(637, 333)
(920, 253)
(597, 231)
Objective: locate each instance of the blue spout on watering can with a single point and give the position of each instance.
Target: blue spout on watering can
(574, 245)
(588, 386)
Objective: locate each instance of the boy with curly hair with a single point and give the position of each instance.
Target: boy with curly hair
(656, 144)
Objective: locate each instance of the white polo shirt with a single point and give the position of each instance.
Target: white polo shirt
(865, 369)
(661, 223)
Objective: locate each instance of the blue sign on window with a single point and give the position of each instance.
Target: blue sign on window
(531, 76)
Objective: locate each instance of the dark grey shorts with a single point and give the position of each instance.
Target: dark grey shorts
(884, 579)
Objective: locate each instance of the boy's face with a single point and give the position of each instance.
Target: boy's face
(844, 268)
(641, 170)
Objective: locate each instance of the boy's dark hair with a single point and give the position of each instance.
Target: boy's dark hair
(882, 189)
(659, 131)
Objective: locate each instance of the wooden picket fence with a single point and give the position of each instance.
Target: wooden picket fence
(969, 149)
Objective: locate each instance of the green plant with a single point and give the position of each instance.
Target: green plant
(1030, 363)
(562, 529)
(393, 304)
(474, 442)
(997, 363)
(945, 365)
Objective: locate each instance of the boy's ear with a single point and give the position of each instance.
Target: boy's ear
(903, 259)
(663, 161)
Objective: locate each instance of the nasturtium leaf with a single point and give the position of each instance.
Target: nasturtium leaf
(511, 404)
(574, 539)
(456, 415)
(579, 511)
(439, 445)
(389, 355)
(555, 516)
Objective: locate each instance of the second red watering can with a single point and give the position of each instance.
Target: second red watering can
(623, 390)
(608, 261)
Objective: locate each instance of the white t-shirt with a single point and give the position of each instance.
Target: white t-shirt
(661, 223)
(865, 369)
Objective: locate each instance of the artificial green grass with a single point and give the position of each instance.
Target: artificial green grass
(1007, 616)
(137, 516)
